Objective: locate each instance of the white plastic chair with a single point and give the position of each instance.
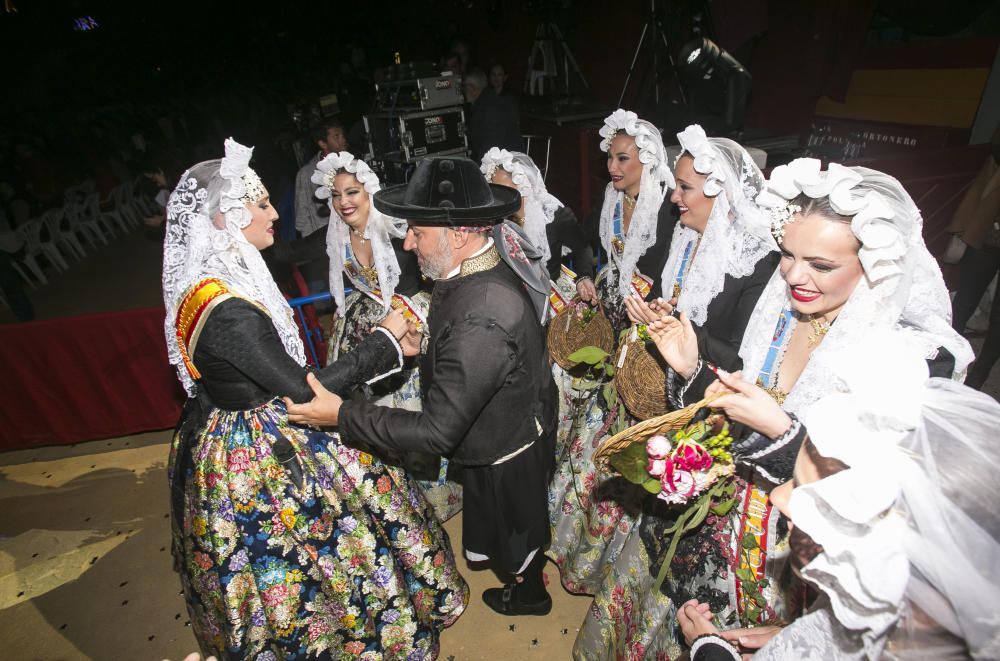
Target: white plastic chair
(36, 245)
(109, 220)
(89, 229)
(61, 232)
(117, 201)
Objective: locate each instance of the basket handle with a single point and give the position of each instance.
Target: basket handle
(647, 428)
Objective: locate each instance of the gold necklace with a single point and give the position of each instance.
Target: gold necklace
(630, 201)
(361, 236)
(369, 273)
(819, 329)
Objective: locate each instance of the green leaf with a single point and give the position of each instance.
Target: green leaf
(589, 355)
(723, 508)
(763, 583)
(631, 463)
(609, 369)
(744, 575)
(753, 614)
(749, 542)
(652, 485)
(610, 396)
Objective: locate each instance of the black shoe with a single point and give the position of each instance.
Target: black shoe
(505, 601)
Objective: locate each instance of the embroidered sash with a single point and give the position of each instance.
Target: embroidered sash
(400, 302)
(192, 313)
(682, 269)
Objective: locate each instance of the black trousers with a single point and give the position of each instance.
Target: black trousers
(978, 267)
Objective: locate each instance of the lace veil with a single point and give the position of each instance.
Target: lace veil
(910, 531)
(736, 235)
(656, 180)
(539, 205)
(379, 228)
(205, 216)
(902, 289)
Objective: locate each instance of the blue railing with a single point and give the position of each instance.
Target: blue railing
(312, 335)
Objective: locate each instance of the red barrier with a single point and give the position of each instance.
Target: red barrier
(84, 378)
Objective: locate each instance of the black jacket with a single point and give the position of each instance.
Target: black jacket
(729, 313)
(494, 121)
(243, 363)
(564, 230)
(485, 376)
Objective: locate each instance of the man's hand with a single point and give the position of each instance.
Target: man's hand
(411, 342)
(396, 324)
(322, 411)
(586, 290)
(695, 620)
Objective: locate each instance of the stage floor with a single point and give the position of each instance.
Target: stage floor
(86, 571)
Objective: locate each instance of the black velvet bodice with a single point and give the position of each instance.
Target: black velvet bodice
(243, 363)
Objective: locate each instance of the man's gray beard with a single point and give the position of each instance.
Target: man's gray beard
(437, 266)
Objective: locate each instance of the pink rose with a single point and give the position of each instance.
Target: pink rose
(693, 458)
(677, 480)
(658, 447)
(655, 467)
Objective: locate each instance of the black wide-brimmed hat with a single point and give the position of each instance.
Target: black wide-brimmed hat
(448, 190)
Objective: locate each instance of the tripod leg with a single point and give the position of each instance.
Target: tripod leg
(570, 58)
(673, 65)
(631, 68)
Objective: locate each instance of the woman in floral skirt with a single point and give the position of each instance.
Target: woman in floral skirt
(289, 544)
(367, 246)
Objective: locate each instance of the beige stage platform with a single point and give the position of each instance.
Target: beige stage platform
(86, 572)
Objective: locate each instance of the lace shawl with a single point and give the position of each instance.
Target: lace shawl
(735, 237)
(655, 181)
(196, 248)
(539, 205)
(379, 229)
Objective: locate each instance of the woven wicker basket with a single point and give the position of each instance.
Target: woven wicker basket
(567, 334)
(640, 378)
(644, 430)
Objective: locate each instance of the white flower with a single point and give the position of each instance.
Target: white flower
(327, 167)
(694, 142)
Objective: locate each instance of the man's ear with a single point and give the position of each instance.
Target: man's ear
(457, 239)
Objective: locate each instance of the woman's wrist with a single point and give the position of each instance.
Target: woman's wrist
(779, 426)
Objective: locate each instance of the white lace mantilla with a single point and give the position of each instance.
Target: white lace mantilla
(735, 238)
(539, 205)
(196, 248)
(378, 230)
(901, 291)
(655, 181)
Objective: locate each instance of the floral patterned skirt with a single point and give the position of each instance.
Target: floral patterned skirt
(630, 620)
(342, 558)
(439, 482)
(591, 513)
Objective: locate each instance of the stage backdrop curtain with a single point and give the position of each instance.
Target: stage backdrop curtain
(85, 378)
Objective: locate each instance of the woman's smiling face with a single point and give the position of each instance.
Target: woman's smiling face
(819, 262)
